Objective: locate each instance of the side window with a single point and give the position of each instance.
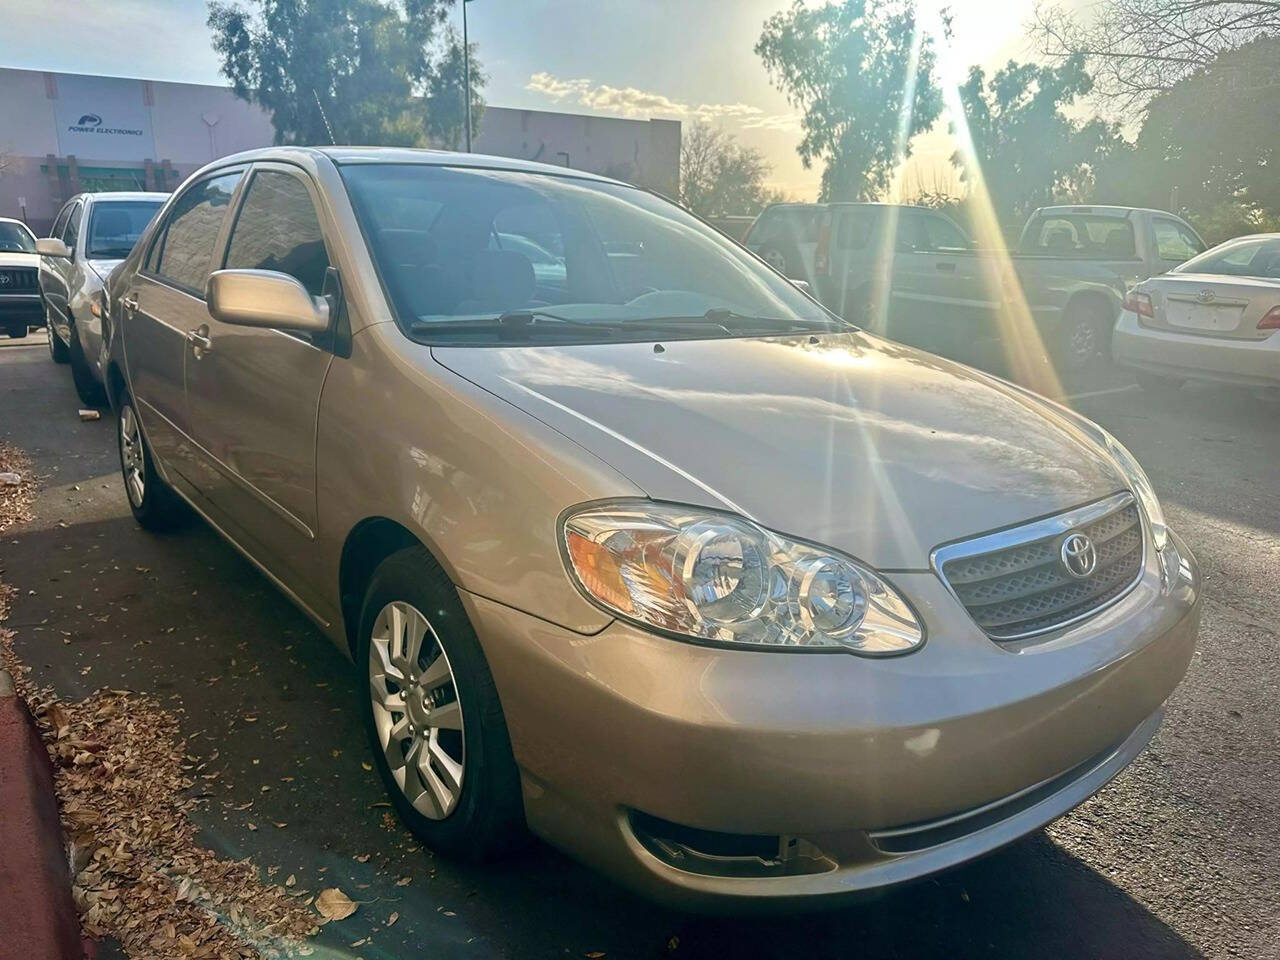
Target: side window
(184, 253)
(277, 229)
(941, 234)
(72, 231)
(909, 234)
(61, 222)
(1173, 241)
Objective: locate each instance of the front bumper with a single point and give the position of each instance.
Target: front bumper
(1245, 363)
(877, 771)
(20, 307)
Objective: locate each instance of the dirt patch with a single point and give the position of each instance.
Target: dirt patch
(124, 784)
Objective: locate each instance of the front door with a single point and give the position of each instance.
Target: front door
(163, 305)
(253, 394)
(55, 272)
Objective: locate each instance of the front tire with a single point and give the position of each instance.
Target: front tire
(431, 709)
(153, 504)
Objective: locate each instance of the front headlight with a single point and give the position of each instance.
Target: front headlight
(719, 578)
(1140, 486)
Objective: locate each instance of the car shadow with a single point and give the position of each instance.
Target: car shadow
(270, 705)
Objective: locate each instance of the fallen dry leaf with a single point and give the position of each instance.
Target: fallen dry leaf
(333, 904)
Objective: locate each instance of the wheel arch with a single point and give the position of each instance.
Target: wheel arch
(368, 543)
(115, 383)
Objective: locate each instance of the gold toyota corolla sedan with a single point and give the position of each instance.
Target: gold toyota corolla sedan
(633, 544)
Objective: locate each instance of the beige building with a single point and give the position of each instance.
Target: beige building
(62, 133)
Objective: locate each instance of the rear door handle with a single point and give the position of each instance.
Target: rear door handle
(947, 266)
(130, 303)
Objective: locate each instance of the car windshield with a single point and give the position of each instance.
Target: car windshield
(15, 238)
(1080, 235)
(459, 248)
(116, 225)
(1246, 258)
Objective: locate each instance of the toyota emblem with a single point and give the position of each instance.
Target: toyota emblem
(5, 280)
(1205, 296)
(1078, 554)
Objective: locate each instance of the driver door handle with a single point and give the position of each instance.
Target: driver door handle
(130, 303)
(200, 342)
(946, 266)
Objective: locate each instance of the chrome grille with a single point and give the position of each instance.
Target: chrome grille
(1014, 584)
(18, 280)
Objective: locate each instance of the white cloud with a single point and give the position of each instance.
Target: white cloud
(633, 102)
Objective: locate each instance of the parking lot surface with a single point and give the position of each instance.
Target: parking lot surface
(1179, 858)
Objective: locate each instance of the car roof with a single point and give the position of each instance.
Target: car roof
(1106, 210)
(123, 195)
(405, 155)
(14, 220)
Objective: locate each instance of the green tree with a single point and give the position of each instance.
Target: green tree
(444, 115)
(1028, 151)
(718, 175)
(849, 67)
(344, 71)
(1210, 143)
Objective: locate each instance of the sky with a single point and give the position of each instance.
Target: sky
(680, 59)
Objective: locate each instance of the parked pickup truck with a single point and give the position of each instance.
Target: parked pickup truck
(1072, 265)
(19, 293)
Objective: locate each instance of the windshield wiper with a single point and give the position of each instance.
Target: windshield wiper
(521, 324)
(724, 316)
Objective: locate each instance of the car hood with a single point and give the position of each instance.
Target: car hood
(103, 268)
(11, 258)
(865, 445)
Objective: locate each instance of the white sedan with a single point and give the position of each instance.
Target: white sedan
(1215, 317)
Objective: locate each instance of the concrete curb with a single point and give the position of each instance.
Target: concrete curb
(39, 920)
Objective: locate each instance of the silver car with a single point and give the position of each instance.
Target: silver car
(647, 551)
(92, 233)
(1215, 317)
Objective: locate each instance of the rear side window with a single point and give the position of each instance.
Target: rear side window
(277, 229)
(1174, 241)
(184, 253)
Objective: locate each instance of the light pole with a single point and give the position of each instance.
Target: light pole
(466, 71)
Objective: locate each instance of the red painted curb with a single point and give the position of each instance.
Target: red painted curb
(38, 921)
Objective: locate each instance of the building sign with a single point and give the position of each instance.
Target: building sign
(102, 118)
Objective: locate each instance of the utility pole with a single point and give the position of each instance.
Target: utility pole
(466, 70)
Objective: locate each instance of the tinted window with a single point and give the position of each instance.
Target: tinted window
(115, 225)
(942, 234)
(277, 229)
(1174, 241)
(186, 248)
(587, 251)
(60, 223)
(15, 238)
(1080, 235)
(787, 224)
(72, 232)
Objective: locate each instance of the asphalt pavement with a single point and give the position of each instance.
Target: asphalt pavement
(1178, 858)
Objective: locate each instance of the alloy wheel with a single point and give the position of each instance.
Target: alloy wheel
(1083, 342)
(132, 456)
(416, 710)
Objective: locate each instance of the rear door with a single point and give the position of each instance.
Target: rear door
(164, 305)
(252, 393)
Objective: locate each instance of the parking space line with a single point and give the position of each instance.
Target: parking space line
(1101, 393)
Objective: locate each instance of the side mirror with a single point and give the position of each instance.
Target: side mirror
(265, 298)
(53, 247)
